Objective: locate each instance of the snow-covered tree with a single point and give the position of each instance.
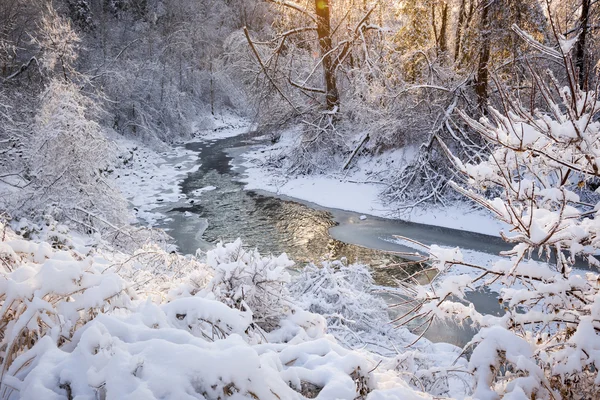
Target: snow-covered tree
(58, 42)
(543, 167)
(69, 161)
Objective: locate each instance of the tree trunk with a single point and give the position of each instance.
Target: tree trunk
(481, 80)
(458, 37)
(435, 33)
(325, 46)
(212, 89)
(443, 43)
(580, 59)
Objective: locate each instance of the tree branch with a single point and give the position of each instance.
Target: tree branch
(257, 55)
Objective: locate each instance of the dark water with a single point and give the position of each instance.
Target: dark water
(305, 231)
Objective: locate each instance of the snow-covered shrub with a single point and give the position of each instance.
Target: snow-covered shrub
(52, 287)
(90, 322)
(51, 294)
(245, 280)
(547, 342)
(49, 230)
(161, 274)
(343, 295)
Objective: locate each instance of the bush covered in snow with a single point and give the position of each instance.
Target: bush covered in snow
(245, 280)
(343, 294)
(68, 163)
(81, 320)
(346, 296)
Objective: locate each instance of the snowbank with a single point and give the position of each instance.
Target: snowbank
(92, 322)
(148, 178)
(221, 127)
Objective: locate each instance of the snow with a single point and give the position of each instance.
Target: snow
(458, 216)
(325, 191)
(355, 191)
(153, 325)
(198, 192)
(221, 127)
(148, 178)
(566, 45)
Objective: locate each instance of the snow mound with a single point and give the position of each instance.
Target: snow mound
(91, 322)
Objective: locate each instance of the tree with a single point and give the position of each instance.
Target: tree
(324, 36)
(491, 42)
(18, 19)
(482, 74)
(580, 52)
(464, 16)
(68, 164)
(334, 46)
(542, 167)
(58, 42)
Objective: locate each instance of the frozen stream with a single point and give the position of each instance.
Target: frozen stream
(217, 208)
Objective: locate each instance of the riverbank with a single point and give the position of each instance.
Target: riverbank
(156, 182)
(150, 178)
(144, 319)
(356, 190)
(207, 203)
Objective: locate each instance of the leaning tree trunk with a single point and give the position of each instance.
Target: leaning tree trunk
(325, 47)
(580, 46)
(481, 80)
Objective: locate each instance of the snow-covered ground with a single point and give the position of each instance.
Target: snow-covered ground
(150, 324)
(149, 178)
(220, 127)
(355, 190)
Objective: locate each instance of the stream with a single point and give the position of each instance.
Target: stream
(216, 207)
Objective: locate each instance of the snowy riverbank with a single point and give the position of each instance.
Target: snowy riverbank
(149, 178)
(355, 191)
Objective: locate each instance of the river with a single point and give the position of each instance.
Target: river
(216, 207)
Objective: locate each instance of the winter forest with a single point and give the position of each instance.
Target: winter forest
(299, 199)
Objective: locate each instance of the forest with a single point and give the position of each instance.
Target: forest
(196, 197)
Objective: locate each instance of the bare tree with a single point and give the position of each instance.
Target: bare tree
(325, 45)
(580, 52)
(335, 47)
(482, 74)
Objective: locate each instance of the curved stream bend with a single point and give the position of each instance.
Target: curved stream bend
(216, 207)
